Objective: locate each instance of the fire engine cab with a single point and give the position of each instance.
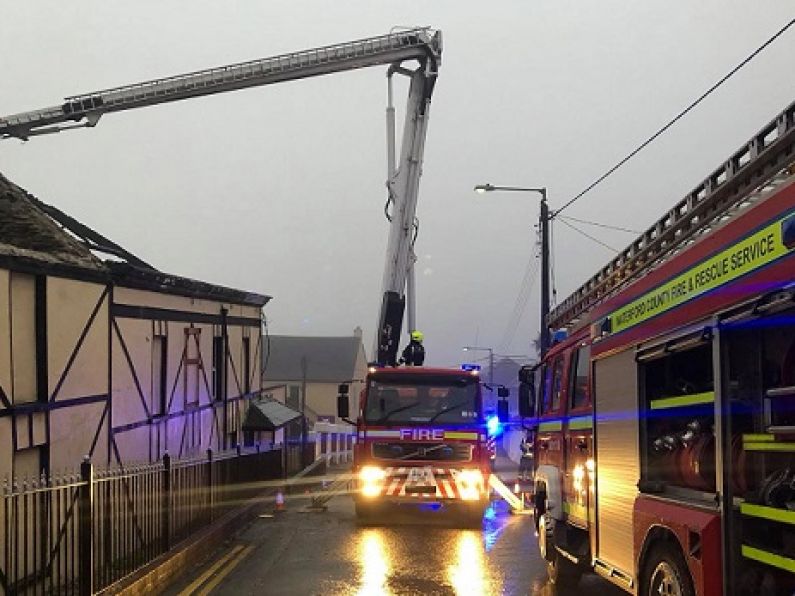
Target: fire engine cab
(422, 442)
(663, 421)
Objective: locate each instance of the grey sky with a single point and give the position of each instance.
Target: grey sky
(280, 189)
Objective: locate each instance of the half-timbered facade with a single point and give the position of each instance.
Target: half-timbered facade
(112, 359)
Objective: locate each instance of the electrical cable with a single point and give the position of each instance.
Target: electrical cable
(528, 281)
(554, 300)
(576, 229)
(601, 225)
(675, 119)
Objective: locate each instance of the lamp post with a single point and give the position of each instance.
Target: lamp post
(491, 359)
(543, 222)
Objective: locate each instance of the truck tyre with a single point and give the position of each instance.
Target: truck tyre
(562, 572)
(665, 572)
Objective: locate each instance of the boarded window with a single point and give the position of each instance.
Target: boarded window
(23, 337)
(160, 375)
(246, 365)
(192, 366)
(218, 368)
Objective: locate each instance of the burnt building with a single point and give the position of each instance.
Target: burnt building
(103, 355)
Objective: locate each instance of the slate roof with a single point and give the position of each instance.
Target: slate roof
(268, 414)
(328, 359)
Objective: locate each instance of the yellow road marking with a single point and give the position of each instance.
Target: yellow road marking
(206, 575)
(225, 571)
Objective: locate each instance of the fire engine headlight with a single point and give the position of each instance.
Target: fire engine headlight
(470, 484)
(371, 478)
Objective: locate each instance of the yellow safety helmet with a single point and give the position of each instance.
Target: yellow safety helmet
(416, 335)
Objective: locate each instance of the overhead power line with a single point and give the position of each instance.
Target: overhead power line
(587, 235)
(522, 298)
(676, 118)
(600, 225)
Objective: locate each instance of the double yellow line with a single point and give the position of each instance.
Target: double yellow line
(217, 572)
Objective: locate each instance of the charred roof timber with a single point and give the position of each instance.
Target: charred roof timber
(38, 237)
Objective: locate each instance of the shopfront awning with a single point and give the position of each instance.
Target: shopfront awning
(268, 415)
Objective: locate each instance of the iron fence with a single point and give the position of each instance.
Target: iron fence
(82, 532)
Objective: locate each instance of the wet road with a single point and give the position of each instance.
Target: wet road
(329, 553)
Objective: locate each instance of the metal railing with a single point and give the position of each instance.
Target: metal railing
(82, 532)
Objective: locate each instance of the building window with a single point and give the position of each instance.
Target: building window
(160, 375)
(218, 368)
(192, 366)
(246, 365)
(293, 397)
(24, 359)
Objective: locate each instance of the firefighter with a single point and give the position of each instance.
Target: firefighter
(414, 352)
(526, 458)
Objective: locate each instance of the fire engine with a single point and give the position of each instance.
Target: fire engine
(422, 442)
(663, 417)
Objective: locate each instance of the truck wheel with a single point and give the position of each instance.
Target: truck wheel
(665, 572)
(561, 572)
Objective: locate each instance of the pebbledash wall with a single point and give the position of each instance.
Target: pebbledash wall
(114, 361)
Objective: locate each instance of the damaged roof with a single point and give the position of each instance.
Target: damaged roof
(38, 235)
(27, 233)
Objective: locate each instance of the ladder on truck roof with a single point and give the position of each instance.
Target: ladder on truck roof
(423, 44)
(761, 161)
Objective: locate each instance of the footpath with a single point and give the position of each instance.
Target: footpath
(197, 550)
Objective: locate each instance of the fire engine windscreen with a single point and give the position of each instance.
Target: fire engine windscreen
(444, 399)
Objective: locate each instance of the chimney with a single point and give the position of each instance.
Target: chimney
(357, 332)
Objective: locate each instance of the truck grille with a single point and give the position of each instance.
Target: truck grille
(423, 451)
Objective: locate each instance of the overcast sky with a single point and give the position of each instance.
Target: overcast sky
(280, 189)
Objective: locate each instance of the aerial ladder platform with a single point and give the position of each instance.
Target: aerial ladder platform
(396, 49)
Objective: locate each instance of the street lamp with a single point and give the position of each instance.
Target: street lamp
(543, 221)
(491, 359)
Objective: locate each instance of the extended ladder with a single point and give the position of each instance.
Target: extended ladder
(423, 44)
(756, 163)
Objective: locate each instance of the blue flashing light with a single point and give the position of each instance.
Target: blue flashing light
(469, 367)
(433, 506)
(493, 426)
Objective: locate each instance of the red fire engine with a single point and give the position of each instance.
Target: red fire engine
(422, 442)
(664, 415)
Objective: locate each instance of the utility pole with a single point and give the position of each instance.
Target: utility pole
(544, 226)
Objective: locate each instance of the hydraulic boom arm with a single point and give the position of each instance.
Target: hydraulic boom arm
(423, 45)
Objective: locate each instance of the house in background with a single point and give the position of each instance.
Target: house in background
(103, 355)
(316, 365)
